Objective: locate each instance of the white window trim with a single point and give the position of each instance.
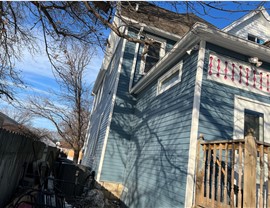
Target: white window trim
(176, 68)
(135, 59)
(161, 52)
(242, 103)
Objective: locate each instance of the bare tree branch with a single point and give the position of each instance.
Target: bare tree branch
(70, 114)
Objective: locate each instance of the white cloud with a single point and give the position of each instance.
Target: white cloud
(38, 65)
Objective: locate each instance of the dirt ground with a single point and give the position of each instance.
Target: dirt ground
(99, 197)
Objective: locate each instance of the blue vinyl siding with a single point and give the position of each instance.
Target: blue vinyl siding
(158, 151)
(217, 100)
(104, 108)
(120, 130)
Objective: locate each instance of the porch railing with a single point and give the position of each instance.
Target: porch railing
(233, 173)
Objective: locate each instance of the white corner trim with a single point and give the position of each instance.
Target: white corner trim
(111, 113)
(242, 103)
(134, 65)
(189, 198)
(137, 46)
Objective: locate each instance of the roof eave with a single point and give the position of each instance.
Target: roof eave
(203, 32)
(178, 50)
(234, 43)
(245, 17)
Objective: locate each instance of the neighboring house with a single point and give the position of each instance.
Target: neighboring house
(195, 80)
(10, 124)
(7, 122)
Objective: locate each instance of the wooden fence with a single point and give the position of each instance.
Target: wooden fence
(16, 153)
(233, 173)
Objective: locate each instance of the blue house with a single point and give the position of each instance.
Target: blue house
(150, 108)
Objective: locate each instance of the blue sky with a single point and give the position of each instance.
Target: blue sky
(37, 73)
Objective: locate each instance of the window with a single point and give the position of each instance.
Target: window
(170, 79)
(254, 120)
(152, 56)
(255, 39)
(249, 113)
(154, 53)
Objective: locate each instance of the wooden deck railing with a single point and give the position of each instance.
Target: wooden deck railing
(233, 173)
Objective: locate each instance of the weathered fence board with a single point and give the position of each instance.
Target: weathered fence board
(16, 152)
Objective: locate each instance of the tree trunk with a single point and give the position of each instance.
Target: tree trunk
(76, 156)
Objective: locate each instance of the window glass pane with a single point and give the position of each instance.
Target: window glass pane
(152, 56)
(254, 120)
(153, 50)
(252, 38)
(149, 63)
(260, 41)
(171, 79)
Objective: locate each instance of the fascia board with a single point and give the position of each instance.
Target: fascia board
(265, 14)
(241, 20)
(152, 29)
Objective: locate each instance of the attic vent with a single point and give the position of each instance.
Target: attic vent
(137, 7)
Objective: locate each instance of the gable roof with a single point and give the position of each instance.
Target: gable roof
(260, 9)
(152, 15)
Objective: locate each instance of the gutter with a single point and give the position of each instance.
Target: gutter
(199, 32)
(180, 48)
(234, 43)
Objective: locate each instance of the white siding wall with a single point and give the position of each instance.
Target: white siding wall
(256, 25)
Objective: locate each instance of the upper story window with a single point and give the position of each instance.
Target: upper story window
(255, 39)
(153, 54)
(170, 79)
